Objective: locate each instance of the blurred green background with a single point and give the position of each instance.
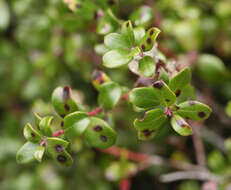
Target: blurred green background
(43, 44)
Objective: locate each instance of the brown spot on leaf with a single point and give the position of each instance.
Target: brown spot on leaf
(98, 76)
(32, 134)
(151, 32)
(147, 132)
(61, 158)
(103, 138)
(111, 2)
(143, 47)
(167, 100)
(149, 41)
(58, 148)
(178, 92)
(158, 84)
(66, 92)
(176, 107)
(127, 24)
(78, 6)
(201, 114)
(97, 128)
(67, 108)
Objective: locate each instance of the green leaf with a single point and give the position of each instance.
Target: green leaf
(128, 34)
(228, 109)
(152, 120)
(180, 125)
(148, 127)
(37, 120)
(116, 41)
(4, 15)
(147, 66)
(149, 39)
(39, 153)
(99, 134)
(180, 81)
(194, 110)
(116, 58)
(30, 134)
(228, 148)
(45, 126)
(216, 161)
(164, 94)
(163, 75)
(26, 153)
(101, 49)
(188, 93)
(63, 101)
(144, 97)
(142, 16)
(211, 69)
(109, 94)
(75, 124)
(56, 148)
(108, 23)
(139, 33)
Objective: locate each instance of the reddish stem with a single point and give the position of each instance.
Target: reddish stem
(96, 111)
(58, 133)
(124, 97)
(118, 152)
(168, 112)
(125, 184)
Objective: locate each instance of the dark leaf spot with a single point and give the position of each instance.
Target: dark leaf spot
(59, 148)
(95, 15)
(147, 132)
(176, 107)
(67, 108)
(98, 128)
(178, 92)
(78, 6)
(66, 92)
(103, 138)
(143, 47)
(158, 84)
(191, 103)
(111, 2)
(98, 76)
(61, 158)
(167, 100)
(149, 41)
(127, 24)
(151, 32)
(62, 123)
(201, 114)
(32, 134)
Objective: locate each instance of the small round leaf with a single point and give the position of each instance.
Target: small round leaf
(99, 134)
(116, 58)
(109, 94)
(180, 126)
(147, 66)
(194, 110)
